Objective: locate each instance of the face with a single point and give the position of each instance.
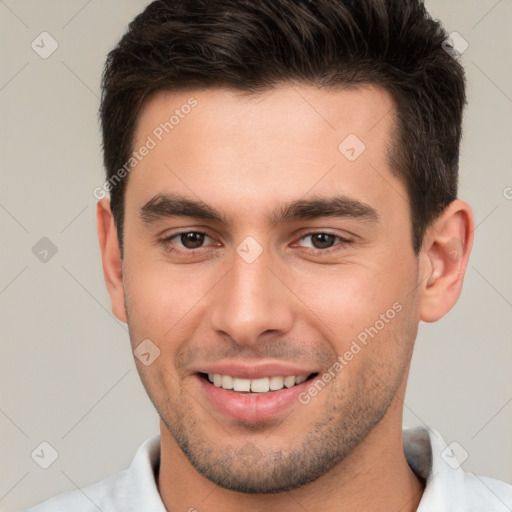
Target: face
(261, 248)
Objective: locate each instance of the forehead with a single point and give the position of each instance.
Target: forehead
(297, 112)
(224, 146)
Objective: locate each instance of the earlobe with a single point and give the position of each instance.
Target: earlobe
(111, 258)
(443, 260)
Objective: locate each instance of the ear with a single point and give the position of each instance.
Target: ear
(443, 260)
(111, 258)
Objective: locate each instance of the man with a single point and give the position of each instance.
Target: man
(283, 212)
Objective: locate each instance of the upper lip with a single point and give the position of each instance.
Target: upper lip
(254, 369)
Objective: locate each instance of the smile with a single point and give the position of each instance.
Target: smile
(256, 386)
(253, 400)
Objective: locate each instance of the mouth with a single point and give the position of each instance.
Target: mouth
(259, 386)
(253, 400)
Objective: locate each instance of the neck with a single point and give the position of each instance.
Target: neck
(374, 477)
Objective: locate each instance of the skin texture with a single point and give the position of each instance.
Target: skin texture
(247, 156)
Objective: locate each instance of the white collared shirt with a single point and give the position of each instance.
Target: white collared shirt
(448, 487)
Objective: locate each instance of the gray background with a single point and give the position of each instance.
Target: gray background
(66, 372)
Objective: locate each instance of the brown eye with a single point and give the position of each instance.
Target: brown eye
(322, 240)
(192, 239)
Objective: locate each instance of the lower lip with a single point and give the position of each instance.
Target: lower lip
(252, 408)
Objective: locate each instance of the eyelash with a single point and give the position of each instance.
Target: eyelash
(167, 242)
(342, 242)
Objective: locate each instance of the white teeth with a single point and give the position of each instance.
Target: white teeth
(241, 384)
(227, 382)
(262, 385)
(289, 381)
(276, 383)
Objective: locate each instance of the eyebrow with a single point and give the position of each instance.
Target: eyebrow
(164, 206)
(336, 206)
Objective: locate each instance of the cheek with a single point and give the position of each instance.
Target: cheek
(355, 300)
(161, 298)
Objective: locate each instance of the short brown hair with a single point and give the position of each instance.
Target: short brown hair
(254, 45)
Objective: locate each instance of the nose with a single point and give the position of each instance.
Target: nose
(251, 301)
